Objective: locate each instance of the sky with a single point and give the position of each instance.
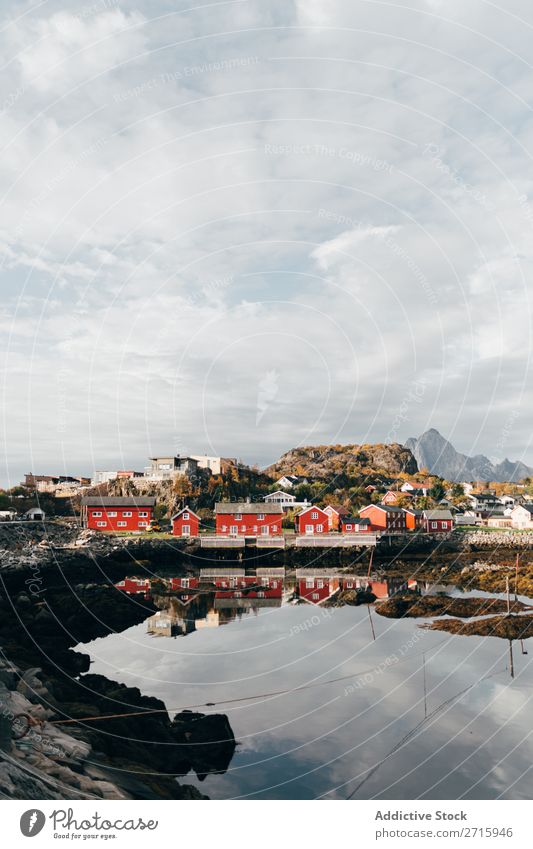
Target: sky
(238, 227)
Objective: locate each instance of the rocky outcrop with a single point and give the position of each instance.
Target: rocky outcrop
(325, 461)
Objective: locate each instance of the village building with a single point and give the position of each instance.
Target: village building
(289, 481)
(437, 521)
(522, 516)
(185, 523)
(132, 586)
(117, 513)
(34, 514)
(312, 520)
(416, 488)
(334, 516)
(384, 517)
(316, 589)
(214, 464)
(7, 515)
(286, 500)
(164, 468)
(392, 496)
(248, 519)
(413, 518)
(354, 525)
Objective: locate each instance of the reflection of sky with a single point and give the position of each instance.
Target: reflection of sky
(322, 740)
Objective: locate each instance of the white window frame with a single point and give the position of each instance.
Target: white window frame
(143, 514)
(260, 517)
(122, 524)
(238, 517)
(320, 529)
(127, 514)
(185, 530)
(142, 524)
(434, 524)
(101, 524)
(111, 514)
(185, 516)
(96, 514)
(314, 514)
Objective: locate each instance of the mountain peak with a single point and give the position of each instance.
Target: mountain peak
(434, 452)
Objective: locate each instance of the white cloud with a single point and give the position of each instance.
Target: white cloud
(186, 208)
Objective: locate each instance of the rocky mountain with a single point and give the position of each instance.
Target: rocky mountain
(321, 461)
(434, 452)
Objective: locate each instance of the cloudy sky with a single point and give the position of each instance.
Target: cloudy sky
(235, 227)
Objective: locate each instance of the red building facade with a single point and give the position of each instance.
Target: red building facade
(107, 513)
(312, 520)
(317, 589)
(251, 520)
(437, 521)
(354, 525)
(384, 518)
(186, 523)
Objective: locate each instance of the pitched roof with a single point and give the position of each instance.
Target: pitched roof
(387, 508)
(311, 507)
(444, 515)
(528, 507)
(184, 510)
(354, 520)
(231, 507)
(118, 501)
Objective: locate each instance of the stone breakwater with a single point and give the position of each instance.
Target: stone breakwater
(497, 539)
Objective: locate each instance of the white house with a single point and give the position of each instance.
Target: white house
(7, 515)
(206, 462)
(35, 514)
(287, 501)
(522, 516)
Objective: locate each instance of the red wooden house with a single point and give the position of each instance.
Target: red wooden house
(437, 521)
(134, 585)
(312, 520)
(392, 496)
(249, 519)
(413, 518)
(334, 516)
(186, 523)
(316, 589)
(354, 525)
(177, 584)
(110, 513)
(384, 518)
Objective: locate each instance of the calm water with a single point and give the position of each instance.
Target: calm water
(417, 714)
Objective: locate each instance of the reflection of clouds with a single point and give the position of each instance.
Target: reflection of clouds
(312, 741)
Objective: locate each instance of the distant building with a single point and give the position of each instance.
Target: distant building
(392, 496)
(317, 589)
(522, 517)
(290, 481)
(384, 517)
(117, 513)
(103, 476)
(415, 488)
(51, 483)
(248, 519)
(312, 520)
(334, 516)
(7, 515)
(186, 523)
(34, 514)
(413, 518)
(163, 468)
(437, 521)
(354, 525)
(214, 464)
(128, 474)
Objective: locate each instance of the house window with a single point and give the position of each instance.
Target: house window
(348, 527)
(185, 515)
(274, 529)
(320, 585)
(309, 585)
(143, 514)
(260, 594)
(264, 530)
(141, 524)
(309, 529)
(122, 524)
(96, 513)
(101, 524)
(255, 529)
(238, 517)
(186, 531)
(319, 529)
(237, 594)
(111, 514)
(224, 528)
(127, 514)
(444, 525)
(234, 529)
(434, 524)
(314, 515)
(260, 516)
(315, 596)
